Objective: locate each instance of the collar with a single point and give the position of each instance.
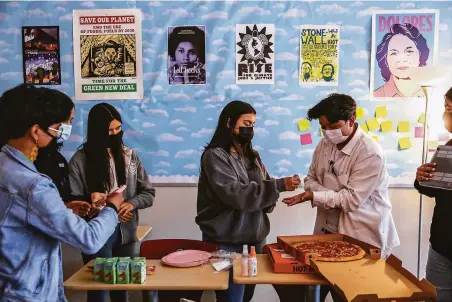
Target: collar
(348, 148)
(390, 90)
(19, 156)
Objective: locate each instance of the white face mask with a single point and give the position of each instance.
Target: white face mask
(65, 133)
(335, 136)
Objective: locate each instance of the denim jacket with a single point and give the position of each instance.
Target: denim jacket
(33, 222)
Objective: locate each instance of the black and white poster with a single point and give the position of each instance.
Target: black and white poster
(187, 55)
(255, 53)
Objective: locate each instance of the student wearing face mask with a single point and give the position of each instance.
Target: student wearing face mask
(235, 191)
(348, 179)
(102, 165)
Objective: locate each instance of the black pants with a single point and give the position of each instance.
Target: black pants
(290, 293)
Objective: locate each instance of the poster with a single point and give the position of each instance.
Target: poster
(400, 40)
(107, 54)
(41, 55)
(255, 59)
(319, 55)
(187, 55)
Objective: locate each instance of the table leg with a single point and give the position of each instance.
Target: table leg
(312, 293)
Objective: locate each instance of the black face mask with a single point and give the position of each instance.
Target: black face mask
(115, 141)
(245, 135)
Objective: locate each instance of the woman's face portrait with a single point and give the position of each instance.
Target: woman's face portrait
(402, 54)
(186, 53)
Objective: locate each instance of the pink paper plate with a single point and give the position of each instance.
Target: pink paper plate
(190, 257)
(188, 264)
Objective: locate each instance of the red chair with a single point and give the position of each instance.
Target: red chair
(157, 249)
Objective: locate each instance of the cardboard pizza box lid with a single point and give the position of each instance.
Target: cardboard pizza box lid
(281, 263)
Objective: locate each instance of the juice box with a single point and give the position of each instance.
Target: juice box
(123, 272)
(99, 269)
(138, 271)
(110, 272)
(115, 259)
(142, 259)
(124, 259)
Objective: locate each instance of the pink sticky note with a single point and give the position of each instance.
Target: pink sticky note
(443, 137)
(306, 139)
(419, 132)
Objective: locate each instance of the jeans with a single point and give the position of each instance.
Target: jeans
(112, 248)
(235, 292)
(289, 293)
(439, 273)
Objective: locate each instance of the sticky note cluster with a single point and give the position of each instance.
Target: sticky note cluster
(404, 143)
(386, 126)
(403, 126)
(381, 112)
(359, 113)
(372, 124)
(304, 125)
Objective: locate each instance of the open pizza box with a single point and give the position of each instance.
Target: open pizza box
(368, 279)
(285, 263)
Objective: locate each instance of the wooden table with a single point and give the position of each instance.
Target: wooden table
(265, 275)
(165, 278)
(142, 231)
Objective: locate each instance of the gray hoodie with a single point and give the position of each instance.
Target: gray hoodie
(139, 191)
(234, 199)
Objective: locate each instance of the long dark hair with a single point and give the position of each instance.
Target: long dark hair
(25, 105)
(224, 136)
(95, 148)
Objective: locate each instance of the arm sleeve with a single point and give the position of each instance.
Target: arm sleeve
(144, 198)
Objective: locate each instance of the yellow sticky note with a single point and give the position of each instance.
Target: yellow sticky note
(372, 124)
(321, 132)
(381, 111)
(403, 126)
(364, 127)
(375, 137)
(304, 125)
(404, 143)
(422, 118)
(359, 113)
(386, 126)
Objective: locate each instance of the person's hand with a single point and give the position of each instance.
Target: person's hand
(300, 198)
(425, 171)
(125, 212)
(116, 199)
(292, 183)
(80, 208)
(97, 196)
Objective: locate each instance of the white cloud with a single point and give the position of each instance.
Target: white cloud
(184, 179)
(9, 31)
(149, 50)
(223, 49)
(260, 131)
(13, 4)
(226, 28)
(324, 93)
(271, 123)
(218, 42)
(254, 10)
(154, 30)
(356, 91)
(333, 8)
(305, 153)
(258, 105)
(345, 42)
(162, 164)
(18, 57)
(211, 106)
(368, 11)
(357, 83)
(280, 72)
(148, 125)
(178, 122)
(282, 151)
(10, 75)
(287, 56)
(201, 93)
(282, 170)
(37, 12)
(153, 75)
(158, 112)
(258, 148)
(295, 41)
(361, 54)
(176, 96)
(215, 15)
(168, 137)
(278, 110)
(232, 87)
(182, 129)
(293, 13)
(281, 31)
(204, 7)
(214, 58)
(446, 54)
(203, 133)
(354, 29)
(279, 6)
(68, 58)
(64, 34)
(3, 44)
(133, 133)
(67, 17)
(88, 4)
(392, 166)
(407, 5)
(284, 162)
(282, 84)
(163, 56)
(59, 9)
(76, 138)
(156, 88)
(277, 91)
(159, 153)
(147, 16)
(215, 99)
(191, 166)
(226, 74)
(154, 3)
(355, 71)
(161, 171)
(186, 109)
(292, 97)
(357, 3)
(443, 27)
(289, 135)
(295, 75)
(186, 153)
(178, 13)
(255, 95)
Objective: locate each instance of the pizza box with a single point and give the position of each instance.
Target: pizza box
(369, 279)
(282, 262)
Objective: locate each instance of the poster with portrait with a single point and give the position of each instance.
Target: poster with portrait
(107, 54)
(255, 60)
(187, 55)
(319, 55)
(41, 55)
(401, 39)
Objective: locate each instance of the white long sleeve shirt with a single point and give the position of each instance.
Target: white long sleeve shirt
(362, 197)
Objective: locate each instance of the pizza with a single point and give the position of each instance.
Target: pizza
(332, 250)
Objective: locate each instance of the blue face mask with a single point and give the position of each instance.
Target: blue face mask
(65, 131)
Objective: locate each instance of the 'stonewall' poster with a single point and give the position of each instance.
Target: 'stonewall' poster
(255, 53)
(400, 40)
(319, 55)
(107, 54)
